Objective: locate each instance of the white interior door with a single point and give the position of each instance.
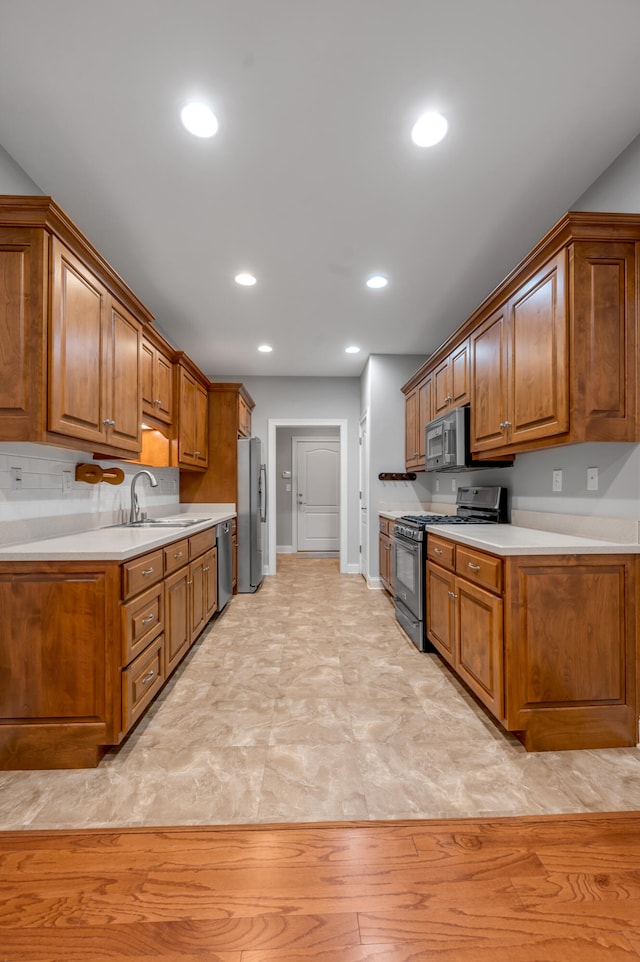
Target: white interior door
(364, 497)
(317, 495)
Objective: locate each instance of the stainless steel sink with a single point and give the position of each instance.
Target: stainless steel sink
(162, 523)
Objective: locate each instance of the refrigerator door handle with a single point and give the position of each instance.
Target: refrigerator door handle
(263, 492)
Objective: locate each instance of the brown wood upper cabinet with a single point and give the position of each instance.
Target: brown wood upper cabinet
(94, 359)
(193, 416)
(552, 351)
(156, 382)
(244, 417)
(418, 412)
(520, 390)
(69, 354)
(451, 380)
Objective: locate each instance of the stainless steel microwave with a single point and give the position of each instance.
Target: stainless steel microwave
(447, 444)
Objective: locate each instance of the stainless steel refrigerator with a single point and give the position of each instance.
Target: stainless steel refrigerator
(252, 512)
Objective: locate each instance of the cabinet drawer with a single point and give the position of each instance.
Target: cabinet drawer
(142, 619)
(141, 573)
(480, 568)
(176, 555)
(441, 551)
(141, 680)
(199, 543)
(384, 525)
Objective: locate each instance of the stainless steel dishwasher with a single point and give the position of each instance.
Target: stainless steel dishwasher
(225, 563)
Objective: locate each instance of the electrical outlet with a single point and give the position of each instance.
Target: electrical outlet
(557, 480)
(438, 488)
(16, 478)
(67, 481)
(592, 479)
(454, 484)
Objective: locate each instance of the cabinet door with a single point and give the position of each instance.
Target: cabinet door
(197, 598)
(440, 601)
(124, 403)
(489, 347)
(211, 582)
(163, 388)
(22, 310)
(77, 350)
(441, 388)
(410, 429)
(538, 386)
(187, 418)
(201, 431)
(604, 341)
(459, 375)
(424, 416)
(479, 644)
(244, 418)
(176, 616)
(385, 560)
(147, 369)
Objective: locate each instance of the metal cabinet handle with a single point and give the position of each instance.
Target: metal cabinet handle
(507, 424)
(473, 567)
(502, 426)
(157, 402)
(438, 551)
(196, 454)
(206, 569)
(449, 398)
(189, 582)
(148, 677)
(147, 571)
(452, 594)
(178, 554)
(148, 620)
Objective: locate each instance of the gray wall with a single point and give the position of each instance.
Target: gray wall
(13, 179)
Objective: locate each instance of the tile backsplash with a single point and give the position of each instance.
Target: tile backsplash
(39, 496)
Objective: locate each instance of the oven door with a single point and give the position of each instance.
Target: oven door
(407, 574)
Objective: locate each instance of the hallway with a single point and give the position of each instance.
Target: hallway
(306, 702)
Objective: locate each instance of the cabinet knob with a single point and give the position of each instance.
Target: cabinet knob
(507, 424)
(109, 423)
(189, 582)
(452, 594)
(157, 402)
(206, 569)
(449, 398)
(196, 454)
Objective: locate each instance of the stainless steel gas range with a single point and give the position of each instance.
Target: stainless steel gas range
(476, 504)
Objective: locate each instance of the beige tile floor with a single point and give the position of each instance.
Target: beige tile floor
(306, 702)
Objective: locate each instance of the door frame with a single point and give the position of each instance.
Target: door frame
(273, 424)
(363, 500)
(294, 477)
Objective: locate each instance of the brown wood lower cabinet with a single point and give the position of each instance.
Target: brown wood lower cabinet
(552, 653)
(385, 549)
(86, 646)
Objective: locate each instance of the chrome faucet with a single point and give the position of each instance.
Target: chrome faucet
(134, 514)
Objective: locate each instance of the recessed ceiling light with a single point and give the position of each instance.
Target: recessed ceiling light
(429, 129)
(377, 281)
(352, 349)
(265, 348)
(246, 280)
(199, 119)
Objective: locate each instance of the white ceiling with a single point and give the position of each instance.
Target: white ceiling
(312, 182)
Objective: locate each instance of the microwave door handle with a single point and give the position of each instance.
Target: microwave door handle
(445, 442)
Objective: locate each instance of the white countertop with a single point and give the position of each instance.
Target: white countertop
(510, 539)
(113, 543)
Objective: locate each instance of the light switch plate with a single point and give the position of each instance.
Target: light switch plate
(557, 480)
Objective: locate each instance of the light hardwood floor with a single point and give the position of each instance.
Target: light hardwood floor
(555, 889)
